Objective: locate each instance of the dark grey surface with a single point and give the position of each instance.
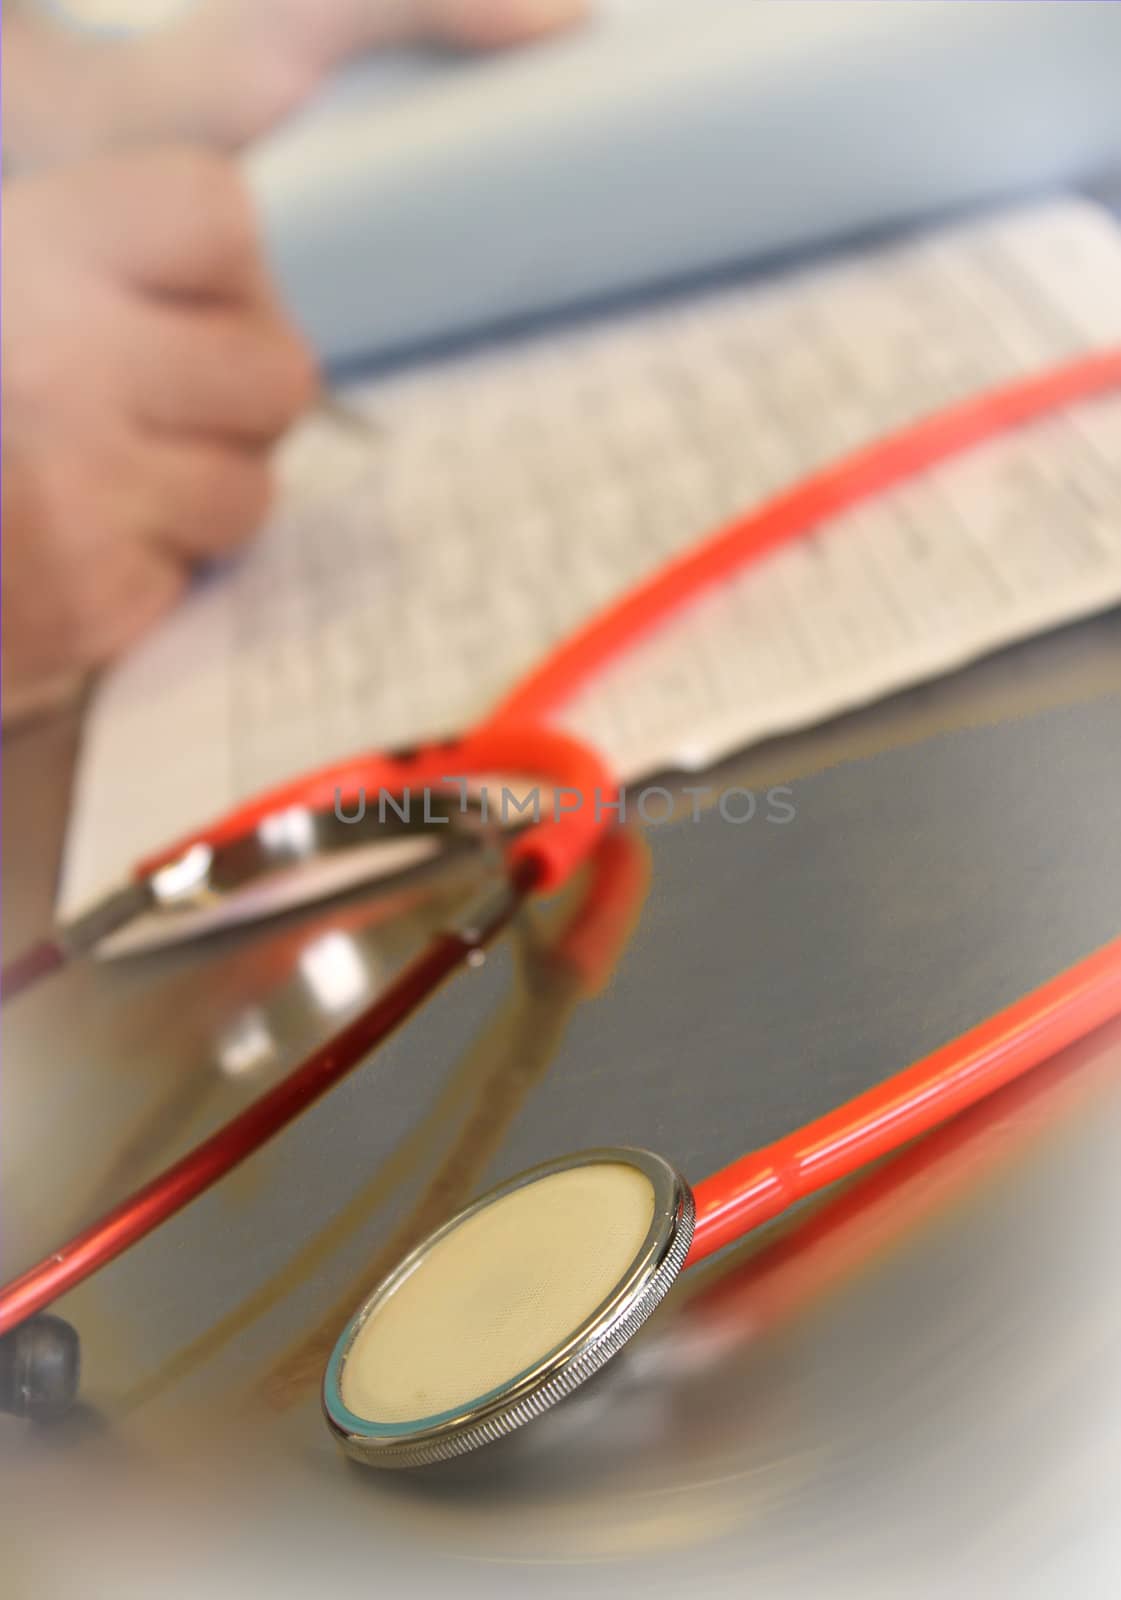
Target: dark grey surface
(913, 1390)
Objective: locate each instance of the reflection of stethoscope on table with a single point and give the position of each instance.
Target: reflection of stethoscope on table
(521, 1297)
(559, 962)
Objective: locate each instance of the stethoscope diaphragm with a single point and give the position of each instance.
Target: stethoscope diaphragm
(508, 1307)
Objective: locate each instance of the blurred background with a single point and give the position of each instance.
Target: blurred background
(324, 320)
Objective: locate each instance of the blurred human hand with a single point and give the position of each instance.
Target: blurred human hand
(224, 71)
(147, 368)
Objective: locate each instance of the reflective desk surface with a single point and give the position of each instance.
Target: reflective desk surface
(910, 1387)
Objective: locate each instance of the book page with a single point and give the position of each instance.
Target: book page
(406, 580)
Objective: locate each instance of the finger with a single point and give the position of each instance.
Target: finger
(219, 372)
(475, 24)
(175, 220)
(24, 695)
(490, 24)
(131, 602)
(207, 499)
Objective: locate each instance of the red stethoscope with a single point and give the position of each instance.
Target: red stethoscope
(517, 741)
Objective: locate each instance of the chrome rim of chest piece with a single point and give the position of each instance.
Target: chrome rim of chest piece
(508, 1307)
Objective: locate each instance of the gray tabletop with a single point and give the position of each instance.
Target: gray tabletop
(910, 1387)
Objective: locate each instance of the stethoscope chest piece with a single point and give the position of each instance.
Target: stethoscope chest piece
(508, 1307)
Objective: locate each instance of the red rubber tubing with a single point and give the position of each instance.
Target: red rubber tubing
(513, 740)
(589, 943)
(869, 471)
(201, 1167)
(595, 938)
(759, 1186)
(574, 816)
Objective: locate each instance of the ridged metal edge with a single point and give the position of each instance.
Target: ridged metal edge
(591, 1359)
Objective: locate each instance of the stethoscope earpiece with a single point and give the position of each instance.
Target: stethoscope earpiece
(40, 1363)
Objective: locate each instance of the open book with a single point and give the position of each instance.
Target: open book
(404, 583)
